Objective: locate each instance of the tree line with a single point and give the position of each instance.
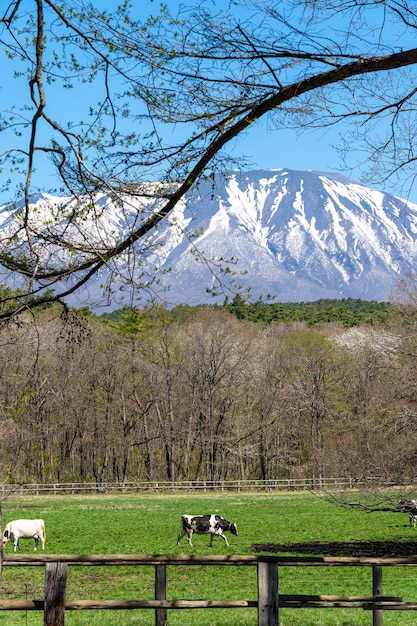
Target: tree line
(204, 396)
(347, 311)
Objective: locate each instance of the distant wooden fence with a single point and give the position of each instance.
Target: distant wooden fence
(54, 605)
(292, 484)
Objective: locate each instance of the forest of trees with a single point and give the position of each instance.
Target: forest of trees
(156, 395)
(346, 312)
(155, 100)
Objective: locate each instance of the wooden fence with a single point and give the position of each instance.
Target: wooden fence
(268, 602)
(298, 484)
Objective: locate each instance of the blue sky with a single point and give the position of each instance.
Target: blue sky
(265, 149)
(312, 150)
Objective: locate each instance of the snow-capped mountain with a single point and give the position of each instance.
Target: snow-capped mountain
(295, 235)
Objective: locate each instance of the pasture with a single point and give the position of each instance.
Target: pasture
(150, 523)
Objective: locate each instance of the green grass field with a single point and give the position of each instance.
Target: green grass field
(149, 524)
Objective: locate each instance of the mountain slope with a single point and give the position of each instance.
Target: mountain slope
(298, 236)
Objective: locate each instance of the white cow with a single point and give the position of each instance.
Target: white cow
(25, 529)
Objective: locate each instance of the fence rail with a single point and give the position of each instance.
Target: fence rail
(293, 484)
(268, 600)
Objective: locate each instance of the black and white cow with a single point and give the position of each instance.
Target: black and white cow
(412, 516)
(406, 505)
(410, 507)
(203, 524)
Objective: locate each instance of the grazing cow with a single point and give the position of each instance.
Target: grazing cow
(202, 524)
(25, 529)
(410, 507)
(412, 516)
(406, 505)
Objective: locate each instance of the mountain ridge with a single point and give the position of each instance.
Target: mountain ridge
(292, 234)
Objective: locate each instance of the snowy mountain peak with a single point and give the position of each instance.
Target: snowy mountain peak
(295, 235)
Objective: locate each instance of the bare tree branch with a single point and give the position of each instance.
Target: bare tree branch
(166, 97)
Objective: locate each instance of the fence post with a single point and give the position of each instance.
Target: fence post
(55, 594)
(267, 594)
(377, 591)
(160, 593)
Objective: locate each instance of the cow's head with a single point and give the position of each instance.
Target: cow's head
(5, 537)
(233, 529)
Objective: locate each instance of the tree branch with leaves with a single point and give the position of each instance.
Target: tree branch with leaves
(156, 101)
